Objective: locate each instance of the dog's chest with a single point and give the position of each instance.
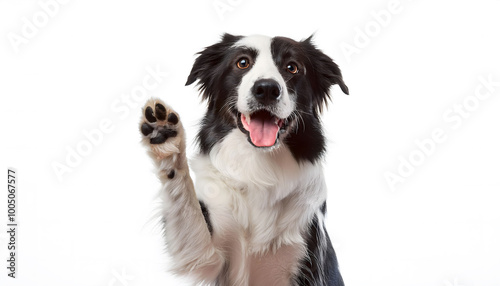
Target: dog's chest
(259, 206)
(262, 246)
(262, 253)
(275, 268)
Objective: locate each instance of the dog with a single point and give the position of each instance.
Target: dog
(255, 215)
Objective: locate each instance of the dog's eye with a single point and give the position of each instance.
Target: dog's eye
(292, 68)
(243, 63)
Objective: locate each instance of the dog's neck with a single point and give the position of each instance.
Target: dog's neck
(272, 173)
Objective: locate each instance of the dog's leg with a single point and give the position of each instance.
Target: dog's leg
(187, 232)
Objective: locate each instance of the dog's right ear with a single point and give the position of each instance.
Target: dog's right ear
(205, 66)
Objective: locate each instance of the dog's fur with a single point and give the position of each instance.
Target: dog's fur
(256, 213)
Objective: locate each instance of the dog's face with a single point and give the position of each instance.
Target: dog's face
(271, 89)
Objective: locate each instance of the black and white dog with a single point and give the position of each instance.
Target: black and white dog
(255, 215)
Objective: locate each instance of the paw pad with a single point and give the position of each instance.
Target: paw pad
(160, 111)
(172, 118)
(149, 114)
(155, 125)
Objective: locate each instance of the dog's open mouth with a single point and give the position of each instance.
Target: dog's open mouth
(263, 127)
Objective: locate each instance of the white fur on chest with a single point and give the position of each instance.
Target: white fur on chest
(260, 203)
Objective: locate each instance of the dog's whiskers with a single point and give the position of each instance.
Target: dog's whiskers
(229, 106)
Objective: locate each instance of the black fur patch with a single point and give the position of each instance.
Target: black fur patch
(307, 143)
(319, 267)
(323, 208)
(320, 72)
(206, 215)
(171, 175)
(212, 130)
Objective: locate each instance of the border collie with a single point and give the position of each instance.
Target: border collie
(255, 215)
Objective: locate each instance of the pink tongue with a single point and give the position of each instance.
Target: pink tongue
(263, 130)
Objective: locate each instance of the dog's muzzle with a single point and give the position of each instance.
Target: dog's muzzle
(261, 123)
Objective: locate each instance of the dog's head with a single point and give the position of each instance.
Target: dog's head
(272, 89)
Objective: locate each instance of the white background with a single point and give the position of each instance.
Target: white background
(93, 224)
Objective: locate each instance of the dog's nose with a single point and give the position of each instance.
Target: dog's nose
(266, 91)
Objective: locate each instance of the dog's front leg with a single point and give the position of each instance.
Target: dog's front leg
(187, 233)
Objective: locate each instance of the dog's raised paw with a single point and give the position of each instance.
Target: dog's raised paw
(163, 135)
(159, 122)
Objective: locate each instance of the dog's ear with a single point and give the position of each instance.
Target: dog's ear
(205, 66)
(322, 73)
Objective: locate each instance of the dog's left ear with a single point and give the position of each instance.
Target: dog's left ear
(323, 73)
(205, 66)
